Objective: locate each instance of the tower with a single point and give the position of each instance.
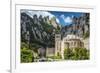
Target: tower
(57, 44)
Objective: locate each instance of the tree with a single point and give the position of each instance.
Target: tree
(80, 54)
(67, 53)
(26, 55)
(24, 45)
(76, 54)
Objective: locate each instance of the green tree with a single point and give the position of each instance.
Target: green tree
(80, 54)
(67, 53)
(76, 54)
(24, 45)
(26, 55)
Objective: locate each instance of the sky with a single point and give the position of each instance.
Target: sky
(63, 18)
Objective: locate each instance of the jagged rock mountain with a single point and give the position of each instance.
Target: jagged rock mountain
(38, 31)
(80, 26)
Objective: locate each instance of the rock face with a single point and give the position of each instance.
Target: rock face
(38, 31)
(79, 27)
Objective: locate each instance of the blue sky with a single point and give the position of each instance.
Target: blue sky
(65, 18)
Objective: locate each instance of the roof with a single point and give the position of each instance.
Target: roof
(71, 36)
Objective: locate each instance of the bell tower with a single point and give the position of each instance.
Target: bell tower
(57, 44)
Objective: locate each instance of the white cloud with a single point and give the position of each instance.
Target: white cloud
(68, 20)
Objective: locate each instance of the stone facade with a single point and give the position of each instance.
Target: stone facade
(69, 41)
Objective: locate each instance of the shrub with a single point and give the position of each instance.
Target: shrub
(76, 54)
(58, 55)
(68, 53)
(26, 56)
